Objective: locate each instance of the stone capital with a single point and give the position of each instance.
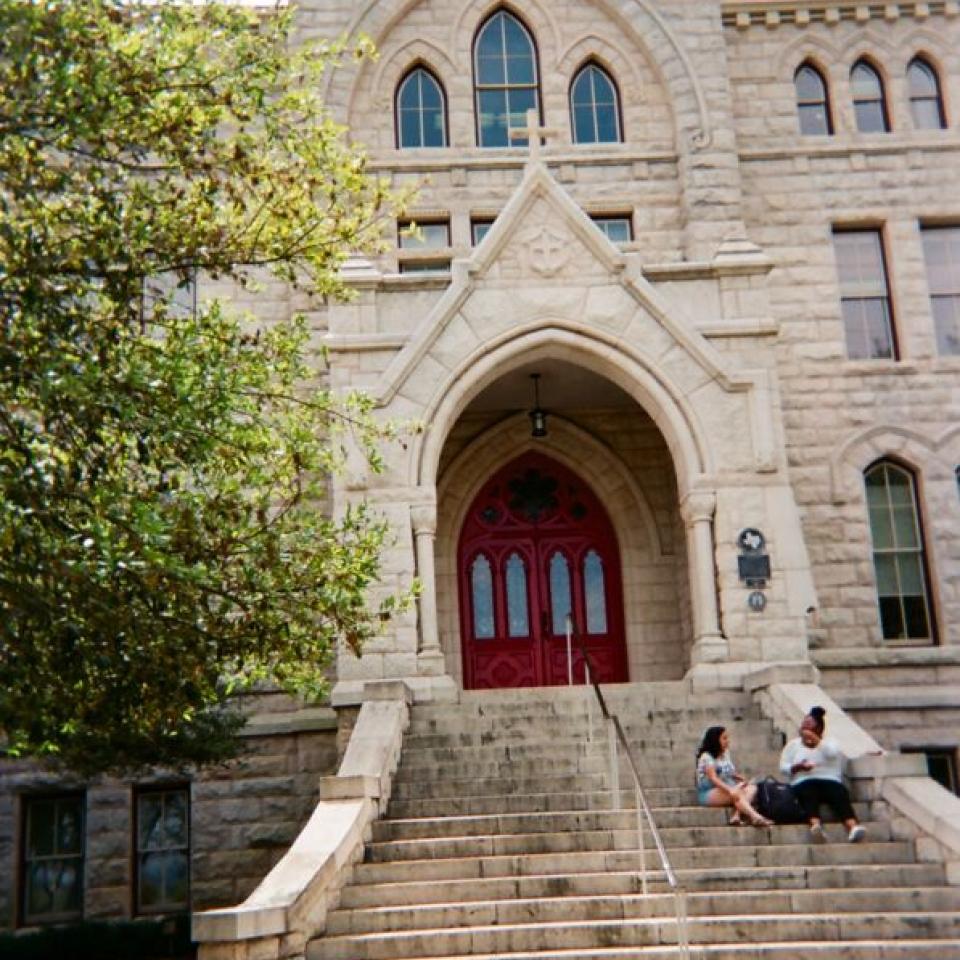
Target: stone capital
(424, 517)
(698, 505)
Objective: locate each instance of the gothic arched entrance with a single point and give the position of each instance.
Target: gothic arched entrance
(537, 544)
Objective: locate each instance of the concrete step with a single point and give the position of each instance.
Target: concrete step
(532, 820)
(652, 931)
(663, 773)
(634, 906)
(760, 855)
(412, 892)
(748, 744)
(611, 838)
(659, 798)
(411, 789)
(913, 949)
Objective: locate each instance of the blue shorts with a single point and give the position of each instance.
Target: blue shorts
(703, 792)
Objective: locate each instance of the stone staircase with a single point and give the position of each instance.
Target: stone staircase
(501, 843)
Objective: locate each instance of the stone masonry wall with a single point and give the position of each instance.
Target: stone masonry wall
(841, 415)
(243, 817)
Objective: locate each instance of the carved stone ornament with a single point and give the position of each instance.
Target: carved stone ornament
(547, 250)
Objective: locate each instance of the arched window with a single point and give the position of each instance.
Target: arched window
(481, 589)
(506, 80)
(869, 102)
(518, 614)
(561, 603)
(594, 107)
(926, 103)
(899, 558)
(594, 593)
(421, 111)
(813, 107)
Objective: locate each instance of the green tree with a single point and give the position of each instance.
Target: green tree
(163, 540)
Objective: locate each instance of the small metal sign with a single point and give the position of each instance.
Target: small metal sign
(757, 601)
(753, 564)
(751, 540)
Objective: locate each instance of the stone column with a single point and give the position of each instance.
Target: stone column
(709, 645)
(430, 656)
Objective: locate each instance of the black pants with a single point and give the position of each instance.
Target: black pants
(811, 794)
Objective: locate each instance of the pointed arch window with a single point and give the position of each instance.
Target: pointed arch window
(869, 100)
(595, 107)
(926, 101)
(481, 589)
(506, 79)
(899, 557)
(421, 113)
(560, 595)
(813, 105)
(518, 610)
(594, 593)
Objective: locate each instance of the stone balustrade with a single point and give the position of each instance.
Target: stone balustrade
(926, 811)
(290, 905)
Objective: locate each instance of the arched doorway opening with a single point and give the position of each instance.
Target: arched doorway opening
(537, 545)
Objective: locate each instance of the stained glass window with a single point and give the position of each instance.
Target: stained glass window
(518, 619)
(481, 582)
(507, 84)
(560, 600)
(594, 593)
(53, 858)
(898, 553)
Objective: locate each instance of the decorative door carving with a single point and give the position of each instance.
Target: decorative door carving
(536, 544)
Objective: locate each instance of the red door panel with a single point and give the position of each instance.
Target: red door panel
(536, 544)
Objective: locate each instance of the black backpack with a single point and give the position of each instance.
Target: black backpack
(776, 801)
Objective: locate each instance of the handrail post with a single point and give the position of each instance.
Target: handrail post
(569, 650)
(614, 766)
(683, 933)
(641, 845)
(587, 681)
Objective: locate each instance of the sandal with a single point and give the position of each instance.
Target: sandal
(735, 820)
(762, 823)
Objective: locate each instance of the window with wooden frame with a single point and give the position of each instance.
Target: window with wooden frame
(864, 294)
(163, 849)
(53, 858)
(899, 555)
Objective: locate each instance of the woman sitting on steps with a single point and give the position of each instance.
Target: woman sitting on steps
(719, 784)
(812, 761)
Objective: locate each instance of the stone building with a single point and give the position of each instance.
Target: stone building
(685, 359)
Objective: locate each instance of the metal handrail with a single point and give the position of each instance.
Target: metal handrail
(617, 736)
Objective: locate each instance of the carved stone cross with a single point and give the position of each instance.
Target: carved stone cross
(533, 134)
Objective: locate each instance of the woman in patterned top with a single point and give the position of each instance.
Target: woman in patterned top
(719, 784)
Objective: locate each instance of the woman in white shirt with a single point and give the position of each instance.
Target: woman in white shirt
(719, 784)
(812, 761)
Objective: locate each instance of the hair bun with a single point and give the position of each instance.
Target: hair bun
(818, 713)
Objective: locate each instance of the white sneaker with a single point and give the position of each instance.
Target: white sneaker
(817, 834)
(856, 834)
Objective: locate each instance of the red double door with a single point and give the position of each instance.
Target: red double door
(536, 545)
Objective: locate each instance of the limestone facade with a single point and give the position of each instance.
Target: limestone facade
(695, 377)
